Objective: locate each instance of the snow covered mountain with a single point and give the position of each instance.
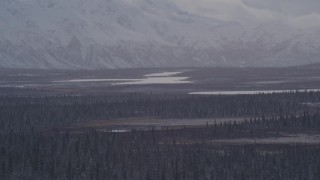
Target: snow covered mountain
(92, 34)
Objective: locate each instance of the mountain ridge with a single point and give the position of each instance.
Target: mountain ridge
(77, 34)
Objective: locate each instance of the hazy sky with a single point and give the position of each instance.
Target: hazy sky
(300, 13)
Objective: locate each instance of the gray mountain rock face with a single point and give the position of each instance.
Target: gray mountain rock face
(97, 34)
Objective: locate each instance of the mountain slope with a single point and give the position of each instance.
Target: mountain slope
(139, 33)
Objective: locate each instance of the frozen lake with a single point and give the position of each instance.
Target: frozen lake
(154, 78)
(286, 139)
(95, 80)
(163, 74)
(252, 92)
(270, 82)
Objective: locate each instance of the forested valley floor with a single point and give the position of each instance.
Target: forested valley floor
(277, 138)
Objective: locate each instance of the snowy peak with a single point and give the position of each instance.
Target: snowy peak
(139, 33)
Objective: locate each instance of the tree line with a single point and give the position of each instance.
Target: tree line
(25, 113)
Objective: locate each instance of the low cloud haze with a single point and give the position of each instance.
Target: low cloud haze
(297, 13)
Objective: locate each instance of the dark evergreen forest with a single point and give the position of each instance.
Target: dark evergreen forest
(34, 147)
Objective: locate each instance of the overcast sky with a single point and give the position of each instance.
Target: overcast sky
(300, 13)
